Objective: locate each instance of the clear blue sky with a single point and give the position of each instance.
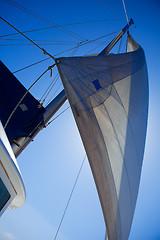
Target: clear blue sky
(50, 164)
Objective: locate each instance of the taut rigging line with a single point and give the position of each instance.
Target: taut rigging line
(80, 45)
(45, 20)
(44, 51)
(49, 68)
(64, 25)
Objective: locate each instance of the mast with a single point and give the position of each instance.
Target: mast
(107, 49)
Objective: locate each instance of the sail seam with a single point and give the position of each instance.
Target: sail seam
(108, 70)
(94, 175)
(122, 157)
(118, 145)
(128, 120)
(103, 88)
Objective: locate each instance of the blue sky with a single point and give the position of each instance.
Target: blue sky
(50, 164)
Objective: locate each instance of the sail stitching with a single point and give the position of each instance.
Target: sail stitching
(122, 157)
(119, 146)
(128, 120)
(108, 70)
(103, 88)
(100, 132)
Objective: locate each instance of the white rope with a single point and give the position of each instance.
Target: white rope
(125, 11)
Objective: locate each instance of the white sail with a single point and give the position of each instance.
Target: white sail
(109, 99)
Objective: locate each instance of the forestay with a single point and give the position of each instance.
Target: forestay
(109, 99)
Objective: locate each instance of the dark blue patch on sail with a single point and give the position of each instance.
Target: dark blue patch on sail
(27, 115)
(96, 84)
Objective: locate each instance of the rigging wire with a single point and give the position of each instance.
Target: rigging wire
(39, 40)
(64, 25)
(96, 47)
(125, 11)
(29, 44)
(44, 19)
(84, 43)
(46, 42)
(69, 198)
(91, 41)
(54, 93)
(56, 78)
(43, 44)
(49, 68)
(74, 51)
(44, 51)
(33, 64)
(120, 45)
(49, 88)
(57, 116)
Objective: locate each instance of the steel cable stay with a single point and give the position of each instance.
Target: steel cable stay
(91, 41)
(50, 87)
(54, 93)
(31, 65)
(52, 84)
(69, 199)
(125, 11)
(64, 25)
(84, 43)
(44, 51)
(57, 116)
(44, 20)
(49, 43)
(42, 41)
(99, 45)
